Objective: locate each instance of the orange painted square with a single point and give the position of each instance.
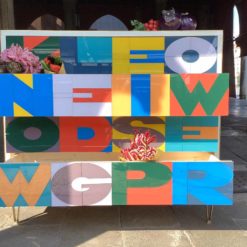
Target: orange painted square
(151, 196)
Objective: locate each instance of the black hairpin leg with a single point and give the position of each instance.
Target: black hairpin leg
(16, 214)
(209, 214)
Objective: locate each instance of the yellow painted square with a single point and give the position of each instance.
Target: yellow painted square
(123, 129)
(160, 95)
(121, 55)
(121, 95)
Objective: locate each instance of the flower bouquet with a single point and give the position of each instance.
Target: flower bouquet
(140, 149)
(19, 60)
(53, 64)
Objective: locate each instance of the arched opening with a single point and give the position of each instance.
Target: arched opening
(236, 50)
(108, 22)
(47, 22)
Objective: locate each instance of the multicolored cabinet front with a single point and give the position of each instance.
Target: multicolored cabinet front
(64, 132)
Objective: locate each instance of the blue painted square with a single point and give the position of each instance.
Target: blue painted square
(68, 50)
(38, 101)
(202, 183)
(94, 54)
(211, 183)
(140, 95)
(84, 55)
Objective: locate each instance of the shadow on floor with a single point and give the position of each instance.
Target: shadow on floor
(75, 226)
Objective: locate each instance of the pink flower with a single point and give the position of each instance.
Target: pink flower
(24, 56)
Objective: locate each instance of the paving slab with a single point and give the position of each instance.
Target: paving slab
(148, 218)
(228, 238)
(155, 238)
(90, 237)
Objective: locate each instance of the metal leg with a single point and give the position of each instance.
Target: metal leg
(209, 214)
(16, 214)
(13, 211)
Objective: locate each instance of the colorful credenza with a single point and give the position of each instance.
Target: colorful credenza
(64, 132)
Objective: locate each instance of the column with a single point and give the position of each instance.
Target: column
(7, 19)
(70, 15)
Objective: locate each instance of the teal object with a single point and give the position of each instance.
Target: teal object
(45, 198)
(20, 201)
(174, 134)
(94, 49)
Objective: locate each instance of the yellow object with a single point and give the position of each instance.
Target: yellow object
(121, 55)
(126, 134)
(20, 112)
(160, 95)
(25, 78)
(121, 95)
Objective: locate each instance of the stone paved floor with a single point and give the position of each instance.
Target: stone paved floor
(234, 135)
(126, 226)
(234, 142)
(141, 226)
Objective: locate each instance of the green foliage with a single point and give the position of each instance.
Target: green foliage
(57, 60)
(137, 25)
